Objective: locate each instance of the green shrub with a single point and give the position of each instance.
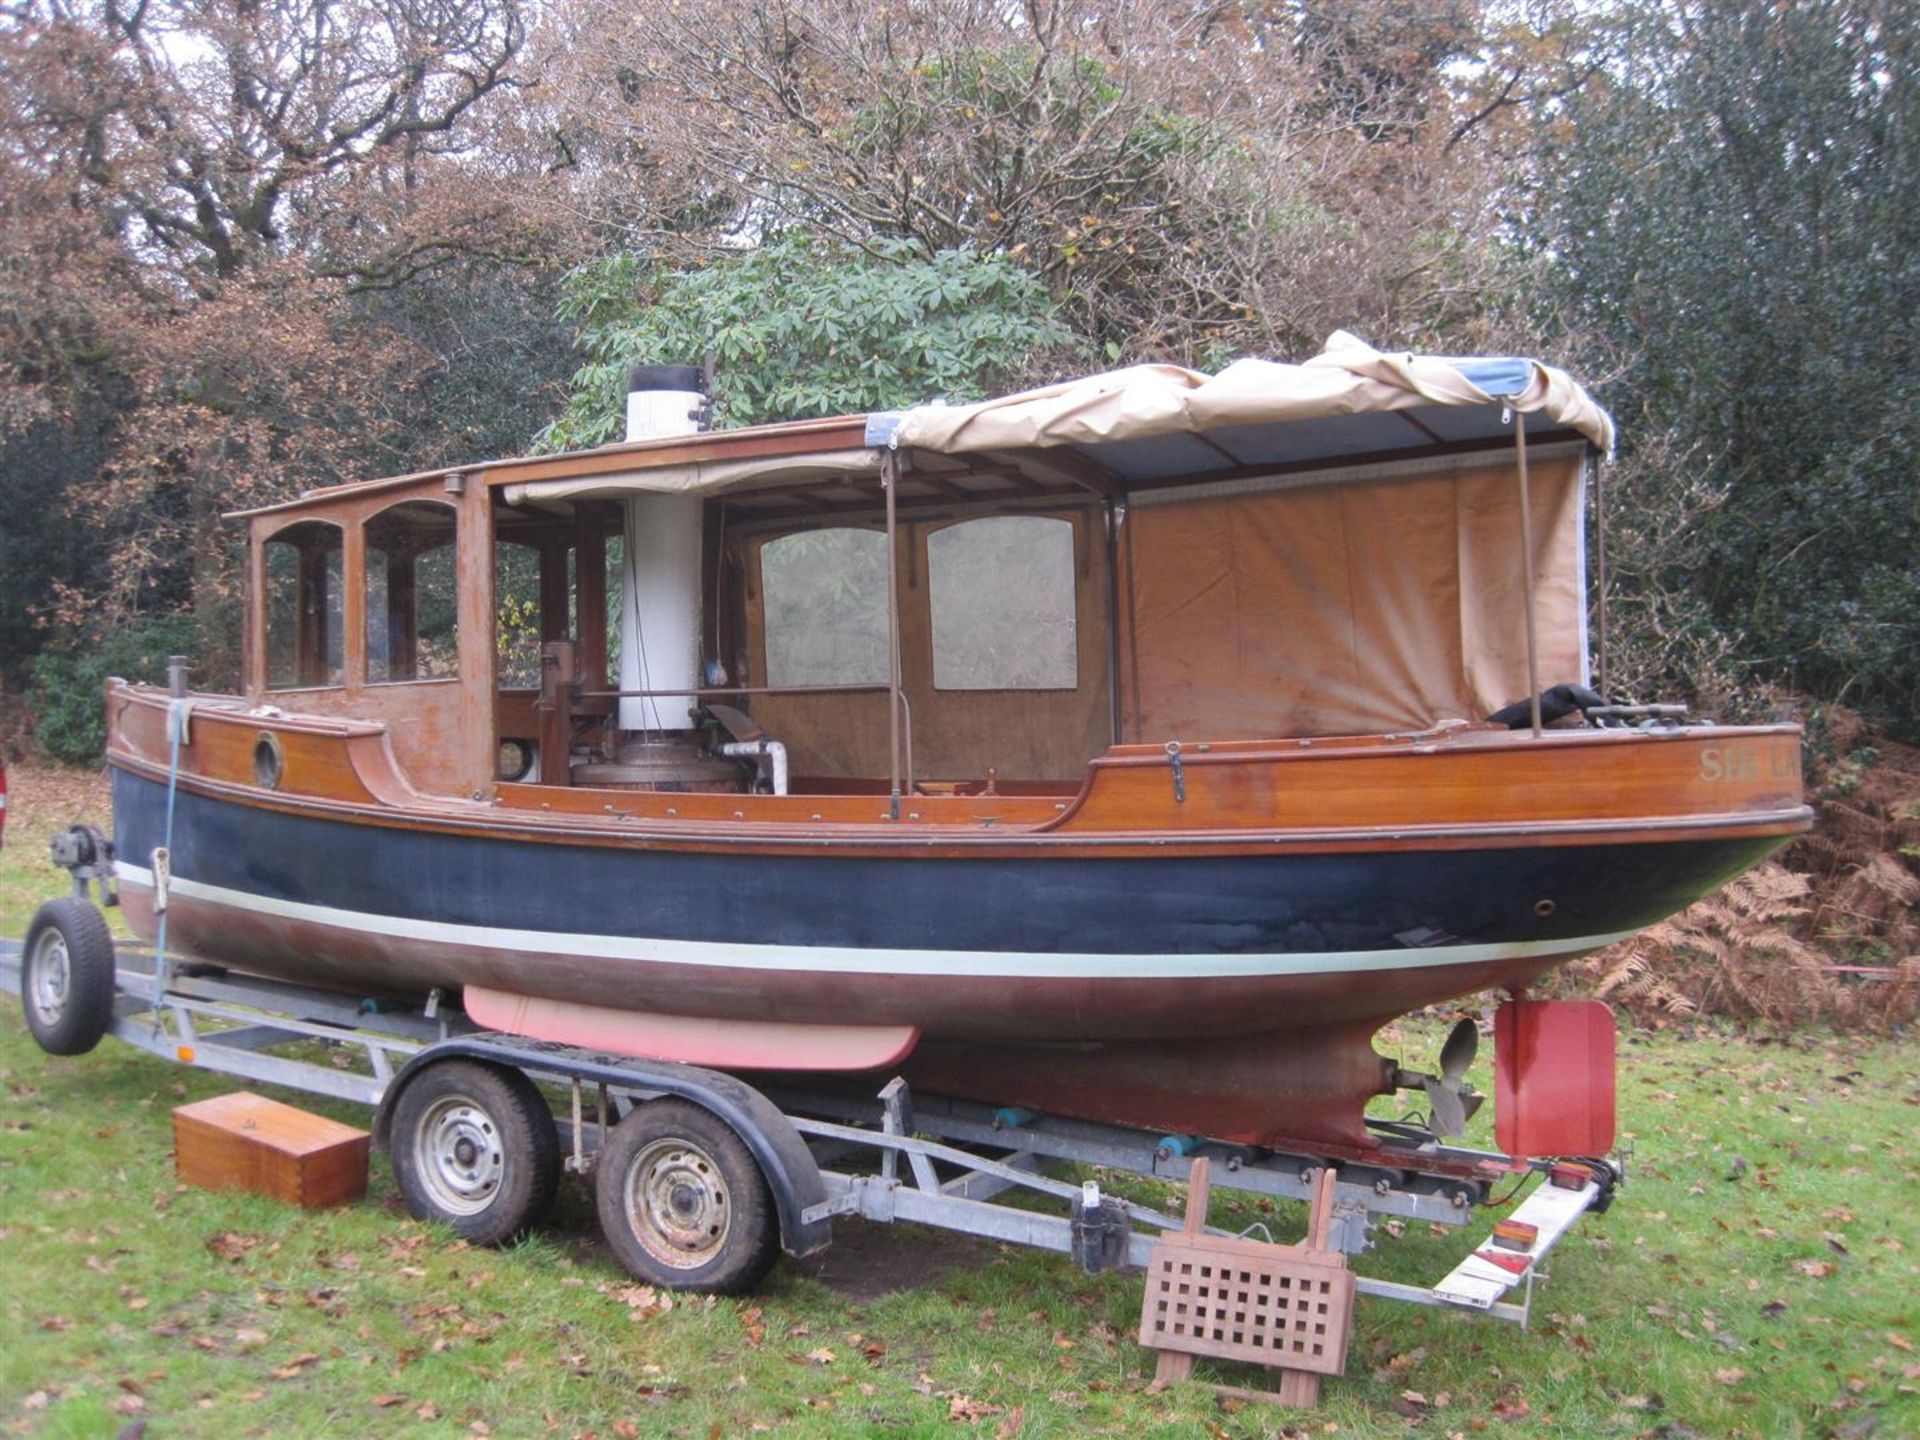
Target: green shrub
(70, 680)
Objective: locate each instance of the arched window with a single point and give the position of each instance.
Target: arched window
(824, 597)
(413, 607)
(302, 605)
(1002, 594)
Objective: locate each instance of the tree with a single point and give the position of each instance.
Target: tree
(1734, 209)
(1186, 181)
(800, 327)
(222, 227)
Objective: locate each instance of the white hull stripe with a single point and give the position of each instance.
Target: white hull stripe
(833, 959)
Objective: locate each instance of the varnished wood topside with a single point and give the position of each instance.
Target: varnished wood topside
(1373, 790)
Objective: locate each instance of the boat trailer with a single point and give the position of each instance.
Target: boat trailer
(827, 1149)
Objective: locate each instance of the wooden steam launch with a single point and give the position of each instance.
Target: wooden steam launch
(1119, 750)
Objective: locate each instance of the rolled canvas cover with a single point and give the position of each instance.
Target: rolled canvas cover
(1349, 608)
(1349, 377)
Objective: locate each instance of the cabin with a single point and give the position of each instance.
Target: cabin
(950, 600)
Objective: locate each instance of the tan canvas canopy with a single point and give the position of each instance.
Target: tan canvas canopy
(1348, 378)
(1154, 424)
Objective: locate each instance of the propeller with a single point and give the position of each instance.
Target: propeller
(1451, 1101)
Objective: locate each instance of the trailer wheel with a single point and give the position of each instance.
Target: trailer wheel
(683, 1203)
(474, 1147)
(67, 976)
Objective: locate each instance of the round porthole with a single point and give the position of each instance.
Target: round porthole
(1544, 908)
(515, 761)
(268, 762)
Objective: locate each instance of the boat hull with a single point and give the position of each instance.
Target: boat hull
(978, 948)
(1205, 947)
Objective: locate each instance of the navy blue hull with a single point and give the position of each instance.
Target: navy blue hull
(1299, 904)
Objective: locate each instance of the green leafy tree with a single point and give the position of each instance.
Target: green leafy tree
(68, 691)
(1732, 211)
(802, 327)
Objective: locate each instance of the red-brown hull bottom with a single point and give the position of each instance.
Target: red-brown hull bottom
(1002, 1042)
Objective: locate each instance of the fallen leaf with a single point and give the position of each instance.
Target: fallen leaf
(643, 1301)
(427, 1410)
(1012, 1425)
(965, 1407)
(231, 1244)
(294, 1366)
(1511, 1407)
(387, 1402)
(1731, 1376)
(1818, 1269)
(36, 1400)
(822, 1356)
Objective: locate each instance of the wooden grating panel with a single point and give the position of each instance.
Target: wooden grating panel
(1243, 1300)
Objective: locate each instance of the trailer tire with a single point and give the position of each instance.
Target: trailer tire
(474, 1147)
(683, 1202)
(67, 976)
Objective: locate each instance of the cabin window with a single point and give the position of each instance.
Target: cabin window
(824, 597)
(302, 605)
(1002, 594)
(517, 620)
(412, 594)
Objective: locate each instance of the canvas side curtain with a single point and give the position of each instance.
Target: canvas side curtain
(1351, 608)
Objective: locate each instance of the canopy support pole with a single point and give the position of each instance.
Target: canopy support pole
(1526, 567)
(889, 482)
(1116, 510)
(1600, 552)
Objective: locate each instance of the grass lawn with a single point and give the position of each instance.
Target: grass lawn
(1760, 1275)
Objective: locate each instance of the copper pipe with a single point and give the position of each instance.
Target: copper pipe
(1526, 568)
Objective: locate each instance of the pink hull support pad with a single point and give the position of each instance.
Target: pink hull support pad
(692, 1040)
(1553, 1077)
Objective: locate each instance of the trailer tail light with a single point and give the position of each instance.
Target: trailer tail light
(1553, 1077)
(1515, 1234)
(1568, 1176)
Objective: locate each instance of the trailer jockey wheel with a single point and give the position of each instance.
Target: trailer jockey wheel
(474, 1147)
(67, 976)
(682, 1201)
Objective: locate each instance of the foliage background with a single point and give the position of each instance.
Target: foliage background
(245, 250)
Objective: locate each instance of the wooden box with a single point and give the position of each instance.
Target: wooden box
(245, 1141)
